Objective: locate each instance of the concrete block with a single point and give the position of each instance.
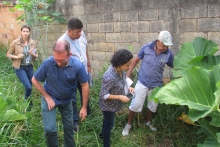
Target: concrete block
(93, 47)
(164, 14)
(157, 26)
(122, 27)
(54, 28)
(106, 7)
(97, 37)
(131, 15)
(213, 11)
(96, 72)
(108, 56)
(190, 36)
(63, 28)
(136, 47)
(214, 36)
(60, 3)
(158, 4)
(92, 27)
(57, 36)
(140, 26)
(188, 25)
(107, 47)
(106, 27)
(121, 46)
(213, 2)
(190, 3)
(74, 2)
(113, 37)
(96, 18)
(98, 56)
(129, 37)
(69, 11)
(147, 37)
(85, 18)
(64, 11)
(194, 12)
(149, 14)
(95, 64)
(136, 4)
(79, 9)
(91, 8)
(111, 16)
(122, 5)
(209, 24)
(49, 47)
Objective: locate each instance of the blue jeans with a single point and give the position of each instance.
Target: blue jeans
(50, 128)
(25, 74)
(107, 126)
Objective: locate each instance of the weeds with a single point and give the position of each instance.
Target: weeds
(30, 133)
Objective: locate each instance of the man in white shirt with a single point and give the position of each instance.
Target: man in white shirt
(76, 37)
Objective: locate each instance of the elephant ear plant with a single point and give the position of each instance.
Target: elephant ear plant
(197, 85)
(8, 111)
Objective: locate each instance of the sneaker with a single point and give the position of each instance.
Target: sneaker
(152, 128)
(76, 128)
(126, 130)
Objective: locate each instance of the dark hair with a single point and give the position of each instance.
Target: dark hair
(25, 26)
(75, 23)
(120, 57)
(60, 43)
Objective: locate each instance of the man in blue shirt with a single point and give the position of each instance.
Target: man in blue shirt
(154, 56)
(60, 74)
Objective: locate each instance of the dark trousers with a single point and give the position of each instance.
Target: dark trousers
(107, 126)
(74, 103)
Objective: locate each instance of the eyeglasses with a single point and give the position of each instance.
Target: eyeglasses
(61, 61)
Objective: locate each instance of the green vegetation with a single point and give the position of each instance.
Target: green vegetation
(40, 16)
(197, 85)
(29, 132)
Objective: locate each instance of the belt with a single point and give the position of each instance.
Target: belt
(26, 65)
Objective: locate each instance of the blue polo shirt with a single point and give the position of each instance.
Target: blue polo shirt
(152, 66)
(61, 82)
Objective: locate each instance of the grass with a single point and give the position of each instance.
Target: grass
(29, 133)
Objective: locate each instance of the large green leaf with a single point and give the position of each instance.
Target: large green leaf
(184, 56)
(206, 62)
(195, 89)
(3, 104)
(213, 138)
(204, 47)
(13, 115)
(7, 113)
(200, 52)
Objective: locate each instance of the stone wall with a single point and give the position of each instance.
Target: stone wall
(10, 29)
(110, 25)
(114, 24)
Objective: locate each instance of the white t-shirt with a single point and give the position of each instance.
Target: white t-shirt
(77, 47)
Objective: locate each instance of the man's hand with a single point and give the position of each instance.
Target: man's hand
(83, 114)
(50, 103)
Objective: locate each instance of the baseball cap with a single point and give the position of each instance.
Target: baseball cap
(165, 37)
